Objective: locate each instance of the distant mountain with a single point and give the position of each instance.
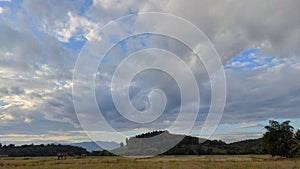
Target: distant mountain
(94, 146)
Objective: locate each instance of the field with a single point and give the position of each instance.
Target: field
(165, 162)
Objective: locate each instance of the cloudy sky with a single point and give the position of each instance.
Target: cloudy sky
(44, 44)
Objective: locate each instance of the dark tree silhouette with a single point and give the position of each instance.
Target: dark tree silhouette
(279, 139)
(297, 138)
(40, 150)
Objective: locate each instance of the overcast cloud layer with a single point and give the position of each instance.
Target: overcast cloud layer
(258, 43)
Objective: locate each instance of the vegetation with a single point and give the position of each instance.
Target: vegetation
(280, 139)
(40, 150)
(101, 153)
(186, 145)
(162, 162)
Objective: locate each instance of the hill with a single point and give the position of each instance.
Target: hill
(146, 144)
(160, 142)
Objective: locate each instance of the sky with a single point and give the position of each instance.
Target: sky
(48, 49)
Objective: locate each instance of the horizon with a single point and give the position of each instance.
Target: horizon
(106, 70)
(91, 141)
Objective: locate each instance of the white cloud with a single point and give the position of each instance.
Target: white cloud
(27, 120)
(74, 26)
(252, 125)
(33, 70)
(61, 22)
(6, 117)
(231, 31)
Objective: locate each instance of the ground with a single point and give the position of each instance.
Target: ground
(165, 162)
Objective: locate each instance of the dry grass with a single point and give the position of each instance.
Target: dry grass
(166, 162)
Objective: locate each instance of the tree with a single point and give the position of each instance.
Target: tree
(279, 139)
(127, 141)
(297, 138)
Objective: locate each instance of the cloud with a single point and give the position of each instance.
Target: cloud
(45, 138)
(35, 69)
(60, 20)
(6, 117)
(231, 31)
(268, 87)
(27, 120)
(234, 26)
(37, 65)
(254, 24)
(263, 93)
(113, 9)
(230, 137)
(249, 126)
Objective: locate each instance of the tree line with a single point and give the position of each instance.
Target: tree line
(188, 145)
(280, 139)
(40, 150)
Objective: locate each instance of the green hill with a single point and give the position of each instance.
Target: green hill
(160, 143)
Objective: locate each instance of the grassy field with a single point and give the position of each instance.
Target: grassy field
(165, 162)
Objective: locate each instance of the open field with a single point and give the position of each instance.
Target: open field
(165, 162)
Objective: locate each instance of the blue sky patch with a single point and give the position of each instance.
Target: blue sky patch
(251, 59)
(2, 103)
(74, 43)
(114, 38)
(83, 7)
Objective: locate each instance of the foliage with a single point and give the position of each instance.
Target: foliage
(149, 134)
(102, 153)
(187, 145)
(297, 138)
(279, 139)
(40, 150)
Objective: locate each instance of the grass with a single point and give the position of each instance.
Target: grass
(165, 162)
